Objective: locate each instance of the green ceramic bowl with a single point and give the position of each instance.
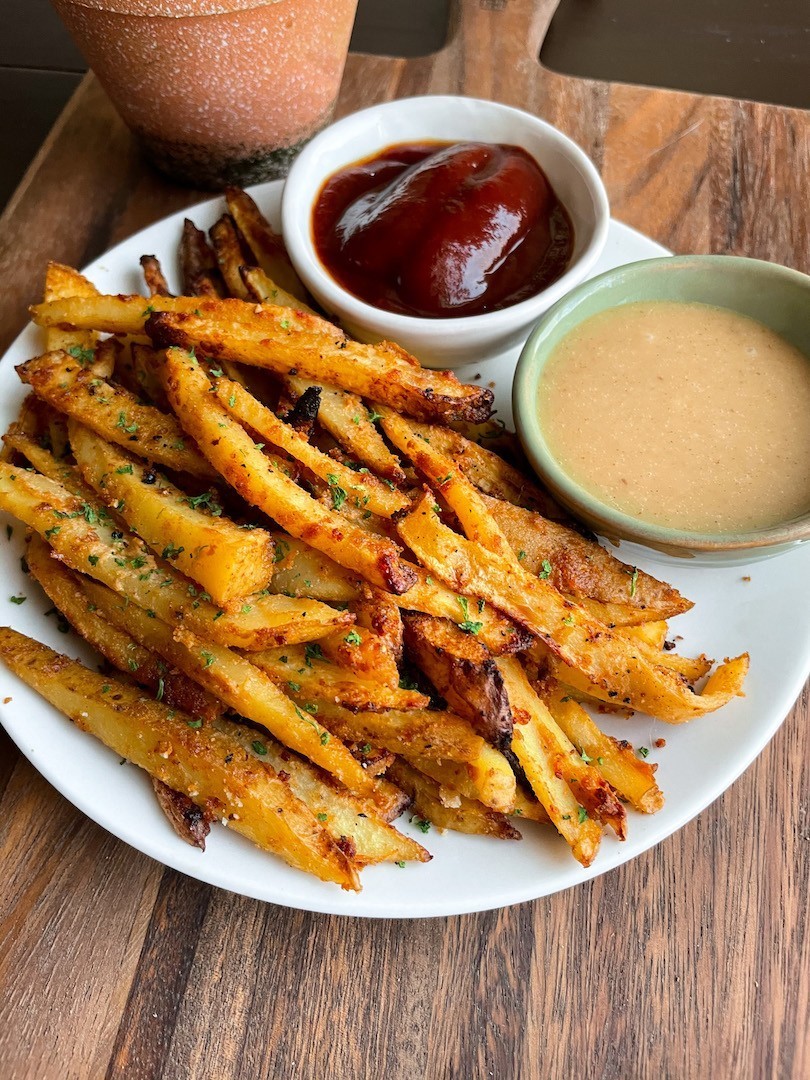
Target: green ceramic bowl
(773, 295)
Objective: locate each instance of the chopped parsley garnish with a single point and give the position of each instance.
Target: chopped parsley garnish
(195, 723)
(52, 531)
(582, 814)
(281, 552)
(171, 552)
(373, 416)
(93, 560)
(159, 692)
(313, 651)
(468, 625)
(207, 501)
(421, 823)
(322, 817)
(259, 747)
(644, 751)
(353, 638)
(84, 356)
(521, 555)
(124, 470)
(294, 686)
(569, 620)
(18, 599)
(546, 570)
(130, 429)
(208, 657)
(633, 581)
(338, 493)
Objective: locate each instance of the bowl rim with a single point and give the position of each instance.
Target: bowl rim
(616, 523)
(298, 235)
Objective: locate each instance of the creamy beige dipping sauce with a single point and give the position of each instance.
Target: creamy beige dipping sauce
(683, 415)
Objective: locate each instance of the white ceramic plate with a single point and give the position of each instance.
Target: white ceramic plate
(467, 873)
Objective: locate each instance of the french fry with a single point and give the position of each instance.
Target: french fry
(473, 688)
(236, 682)
(292, 669)
(592, 791)
(236, 457)
(198, 264)
(154, 277)
(633, 778)
(60, 282)
(203, 763)
(621, 670)
(457, 491)
(365, 491)
(491, 474)
(352, 822)
(83, 538)
(56, 469)
(580, 567)
(301, 570)
(418, 733)
(229, 255)
(226, 561)
(146, 364)
(468, 817)
(265, 244)
(64, 587)
(113, 413)
(488, 780)
(292, 342)
(363, 652)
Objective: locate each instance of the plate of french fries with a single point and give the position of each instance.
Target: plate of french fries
(289, 613)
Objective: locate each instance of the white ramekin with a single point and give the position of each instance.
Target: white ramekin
(443, 342)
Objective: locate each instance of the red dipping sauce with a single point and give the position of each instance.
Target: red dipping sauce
(442, 230)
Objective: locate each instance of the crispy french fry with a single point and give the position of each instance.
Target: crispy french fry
(265, 244)
(286, 341)
(154, 277)
(113, 413)
(468, 816)
(60, 282)
(633, 778)
(363, 489)
(580, 567)
(292, 669)
(458, 492)
(198, 264)
(57, 469)
(621, 670)
(364, 652)
(203, 763)
(489, 779)
(300, 570)
(83, 538)
(422, 733)
(64, 587)
(234, 454)
(473, 688)
(226, 561)
(591, 789)
(229, 255)
(234, 680)
(351, 821)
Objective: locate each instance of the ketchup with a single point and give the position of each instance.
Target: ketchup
(442, 230)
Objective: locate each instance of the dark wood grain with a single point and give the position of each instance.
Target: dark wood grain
(693, 961)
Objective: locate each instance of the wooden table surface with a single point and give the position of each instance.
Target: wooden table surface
(692, 961)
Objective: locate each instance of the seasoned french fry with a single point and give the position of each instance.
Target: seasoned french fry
(457, 491)
(351, 821)
(113, 413)
(203, 763)
(292, 668)
(468, 816)
(64, 587)
(60, 282)
(198, 264)
(488, 779)
(229, 255)
(590, 787)
(473, 688)
(628, 774)
(621, 670)
(83, 538)
(364, 652)
(580, 567)
(234, 454)
(226, 561)
(265, 244)
(422, 733)
(300, 570)
(154, 277)
(365, 491)
(57, 469)
(234, 680)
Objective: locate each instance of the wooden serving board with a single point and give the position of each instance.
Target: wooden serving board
(691, 961)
